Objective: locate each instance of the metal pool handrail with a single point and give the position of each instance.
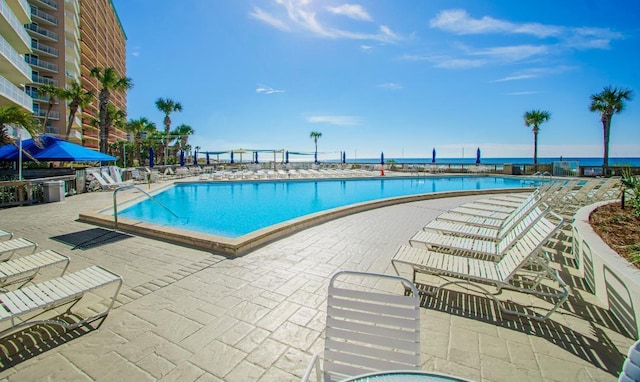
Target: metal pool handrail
(115, 203)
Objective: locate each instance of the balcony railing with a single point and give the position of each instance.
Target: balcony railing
(44, 48)
(41, 31)
(41, 64)
(43, 80)
(11, 55)
(44, 15)
(52, 114)
(17, 28)
(15, 94)
(51, 3)
(36, 97)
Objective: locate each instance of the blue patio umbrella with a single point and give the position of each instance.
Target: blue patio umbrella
(257, 157)
(231, 161)
(207, 155)
(315, 157)
(181, 157)
(286, 157)
(382, 158)
(151, 158)
(53, 149)
(195, 157)
(344, 157)
(478, 156)
(433, 155)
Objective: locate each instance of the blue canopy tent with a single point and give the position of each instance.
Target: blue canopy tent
(54, 150)
(181, 157)
(151, 158)
(433, 155)
(478, 156)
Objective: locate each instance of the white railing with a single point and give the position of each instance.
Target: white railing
(15, 24)
(43, 80)
(41, 31)
(44, 15)
(14, 57)
(52, 114)
(51, 3)
(15, 94)
(41, 64)
(44, 48)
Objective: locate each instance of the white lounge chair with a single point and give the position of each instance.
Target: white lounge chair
(489, 248)
(17, 308)
(4, 235)
(9, 247)
(523, 268)
(368, 331)
(631, 366)
(26, 268)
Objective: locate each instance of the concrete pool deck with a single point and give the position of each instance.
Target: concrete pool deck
(189, 315)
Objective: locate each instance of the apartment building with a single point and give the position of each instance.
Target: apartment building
(67, 39)
(14, 44)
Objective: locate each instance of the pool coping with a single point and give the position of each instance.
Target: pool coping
(243, 244)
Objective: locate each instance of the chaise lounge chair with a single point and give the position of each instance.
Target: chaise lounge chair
(368, 331)
(522, 268)
(4, 235)
(21, 307)
(26, 268)
(9, 247)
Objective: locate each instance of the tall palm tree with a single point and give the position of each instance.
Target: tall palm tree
(167, 106)
(608, 102)
(115, 117)
(137, 127)
(535, 118)
(15, 115)
(181, 133)
(109, 80)
(78, 99)
(315, 136)
(52, 94)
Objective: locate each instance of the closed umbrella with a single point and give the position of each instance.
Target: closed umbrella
(151, 158)
(315, 158)
(382, 163)
(433, 155)
(286, 157)
(344, 157)
(207, 155)
(478, 156)
(195, 157)
(181, 157)
(257, 158)
(232, 157)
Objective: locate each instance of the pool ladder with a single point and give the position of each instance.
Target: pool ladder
(115, 203)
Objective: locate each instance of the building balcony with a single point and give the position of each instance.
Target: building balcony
(52, 4)
(41, 32)
(54, 115)
(41, 64)
(12, 29)
(36, 97)
(20, 10)
(43, 80)
(14, 67)
(10, 94)
(43, 16)
(42, 48)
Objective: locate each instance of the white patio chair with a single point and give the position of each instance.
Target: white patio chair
(366, 330)
(631, 367)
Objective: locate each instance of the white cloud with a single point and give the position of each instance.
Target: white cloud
(366, 48)
(513, 53)
(535, 72)
(353, 11)
(515, 78)
(458, 21)
(267, 90)
(391, 86)
(260, 14)
(295, 15)
(339, 120)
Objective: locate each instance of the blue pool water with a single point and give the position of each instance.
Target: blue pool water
(236, 209)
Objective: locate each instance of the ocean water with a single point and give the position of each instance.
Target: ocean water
(634, 162)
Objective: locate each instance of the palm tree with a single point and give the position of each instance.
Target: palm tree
(52, 93)
(167, 106)
(137, 127)
(608, 102)
(535, 118)
(109, 80)
(182, 133)
(15, 115)
(115, 117)
(315, 136)
(78, 99)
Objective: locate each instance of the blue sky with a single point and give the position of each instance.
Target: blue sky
(386, 75)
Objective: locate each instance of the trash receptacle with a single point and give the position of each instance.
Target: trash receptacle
(53, 191)
(511, 169)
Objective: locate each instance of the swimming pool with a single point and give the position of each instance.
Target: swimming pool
(234, 209)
